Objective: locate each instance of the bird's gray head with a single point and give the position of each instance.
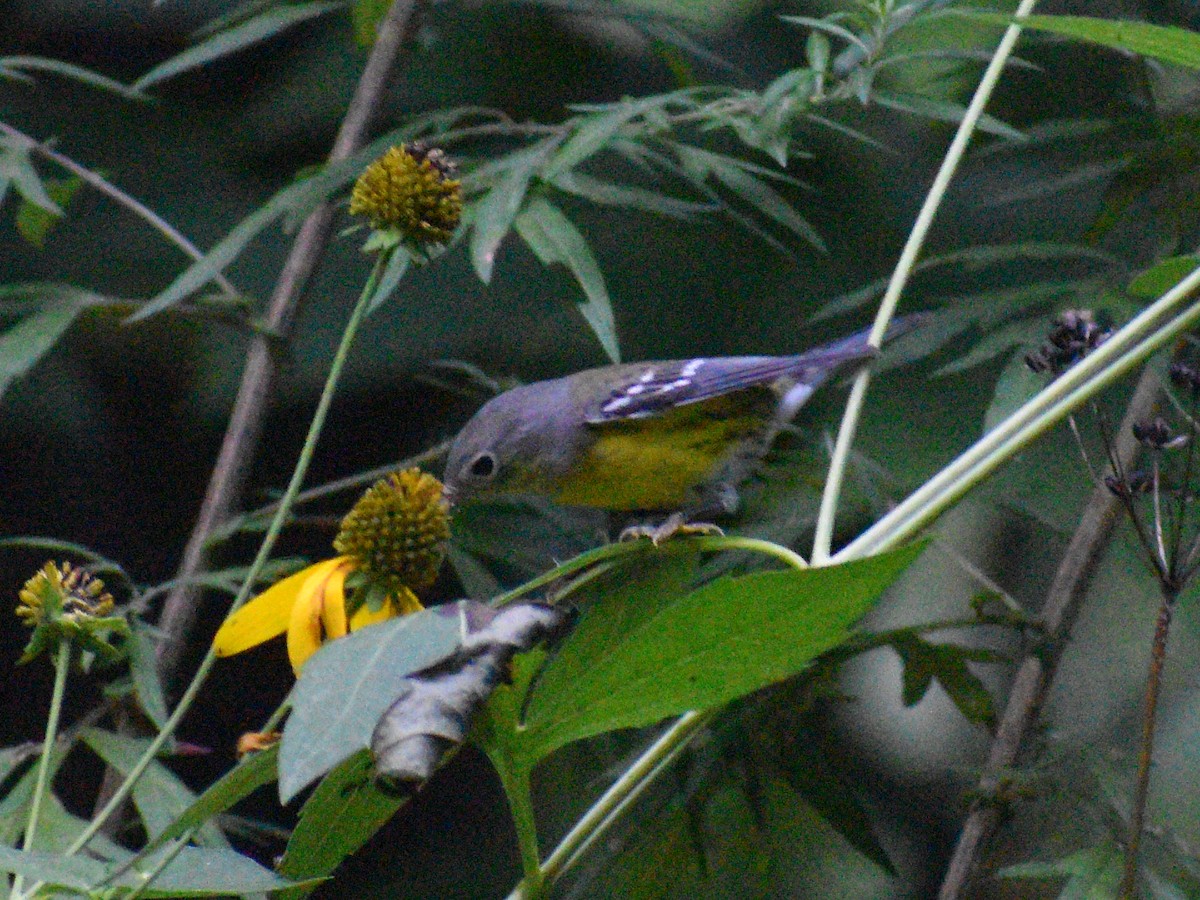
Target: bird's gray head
(509, 446)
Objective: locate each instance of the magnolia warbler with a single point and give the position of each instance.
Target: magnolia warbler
(673, 436)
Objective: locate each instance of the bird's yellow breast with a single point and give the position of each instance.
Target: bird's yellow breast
(654, 463)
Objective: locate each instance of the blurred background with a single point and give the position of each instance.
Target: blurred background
(108, 440)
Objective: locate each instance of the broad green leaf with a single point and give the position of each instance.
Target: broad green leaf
(159, 795)
(1166, 43)
(22, 345)
(995, 342)
(493, 215)
(58, 830)
(143, 666)
(623, 667)
(14, 807)
(925, 661)
(555, 239)
(34, 222)
(1162, 276)
(1016, 386)
(345, 687)
(340, 816)
(261, 27)
(250, 774)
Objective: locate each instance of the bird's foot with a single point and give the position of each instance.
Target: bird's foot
(673, 526)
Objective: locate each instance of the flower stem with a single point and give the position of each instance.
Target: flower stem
(1141, 787)
(515, 775)
(823, 538)
(62, 665)
(365, 301)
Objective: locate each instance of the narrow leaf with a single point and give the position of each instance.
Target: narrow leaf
(22, 345)
(494, 214)
(68, 871)
(263, 26)
(143, 666)
(1166, 43)
(944, 111)
(555, 239)
(1016, 386)
(68, 70)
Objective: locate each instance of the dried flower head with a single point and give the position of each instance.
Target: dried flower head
(1075, 334)
(397, 532)
(1132, 485)
(1185, 375)
(411, 193)
(1158, 435)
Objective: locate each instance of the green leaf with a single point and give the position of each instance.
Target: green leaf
(346, 686)
(207, 872)
(34, 222)
(22, 345)
(494, 214)
(1015, 387)
(143, 666)
(1162, 42)
(943, 111)
(593, 133)
(634, 663)
(340, 816)
(925, 661)
(554, 239)
(608, 193)
(68, 871)
(1092, 874)
(16, 168)
(1162, 276)
(396, 269)
(251, 773)
(263, 26)
(10, 65)
(365, 15)
(160, 797)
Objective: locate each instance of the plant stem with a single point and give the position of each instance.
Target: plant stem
(264, 552)
(1035, 674)
(1141, 786)
(823, 539)
(62, 665)
(245, 421)
(515, 775)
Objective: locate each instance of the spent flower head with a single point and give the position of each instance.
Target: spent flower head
(410, 196)
(1075, 334)
(63, 602)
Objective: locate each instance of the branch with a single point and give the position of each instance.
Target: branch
(245, 422)
(1036, 672)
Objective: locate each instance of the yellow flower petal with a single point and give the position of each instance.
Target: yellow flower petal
(304, 626)
(397, 605)
(267, 615)
(333, 610)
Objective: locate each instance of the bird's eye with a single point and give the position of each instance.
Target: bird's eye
(483, 465)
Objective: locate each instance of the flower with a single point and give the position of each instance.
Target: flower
(392, 541)
(64, 602)
(410, 196)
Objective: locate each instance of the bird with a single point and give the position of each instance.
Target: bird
(672, 436)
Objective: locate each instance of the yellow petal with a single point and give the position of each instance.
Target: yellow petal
(267, 615)
(304, 626)
(333, 610)
(400, 604)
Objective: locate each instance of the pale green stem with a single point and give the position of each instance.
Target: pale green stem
(62, 665)
(264, 553)
(823, 538)
(625, 790)
(515, 775)
(1121, 353)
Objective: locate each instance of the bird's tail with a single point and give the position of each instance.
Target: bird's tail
(830, 357)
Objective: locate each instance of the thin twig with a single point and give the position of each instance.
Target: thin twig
(1036, 672)
(245, 422)
(1141, 786)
